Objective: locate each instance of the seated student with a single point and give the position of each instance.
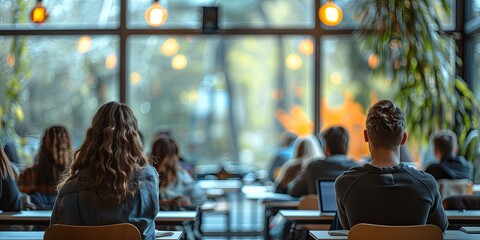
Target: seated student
(109, 180)
(449, 165)
(178, 190)
(10, 196)
(386, 191)
(282, 155)
(305, 150)
(40, 181)
(336, 146)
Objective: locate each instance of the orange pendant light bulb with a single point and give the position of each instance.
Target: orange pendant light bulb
(156, 15)
(39, 13)
(330, 14)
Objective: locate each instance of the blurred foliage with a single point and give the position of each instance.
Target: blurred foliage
(421, 61)
(13, 77)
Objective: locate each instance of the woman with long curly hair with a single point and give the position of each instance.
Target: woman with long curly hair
(110, 180)
(10, 197)
(178, 190)
(40, 181)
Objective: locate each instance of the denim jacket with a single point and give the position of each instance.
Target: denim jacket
(77, 205)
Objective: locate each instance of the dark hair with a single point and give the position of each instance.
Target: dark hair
(385, 124)
(336, 139)
(165, 158)
(287, 138)
(6, 170)
(53, 157)
(445, 142)
(111, 152)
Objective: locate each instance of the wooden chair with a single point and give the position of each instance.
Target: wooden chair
(364, 231)
(120, 231)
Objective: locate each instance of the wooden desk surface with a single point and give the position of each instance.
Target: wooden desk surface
(38, 235)
(449, 235)
(42, 217)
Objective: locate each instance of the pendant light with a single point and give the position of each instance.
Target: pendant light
(330, 13)
(156, 15)
(39, 13)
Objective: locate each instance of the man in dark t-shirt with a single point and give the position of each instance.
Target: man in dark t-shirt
(385, 191)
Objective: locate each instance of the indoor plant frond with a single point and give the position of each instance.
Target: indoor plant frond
(421, 61)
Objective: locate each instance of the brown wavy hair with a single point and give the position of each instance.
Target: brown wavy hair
(110, 153)
(6, 170)
(165, 158)
(53, 157)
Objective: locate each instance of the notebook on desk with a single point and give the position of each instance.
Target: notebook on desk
(326, 195)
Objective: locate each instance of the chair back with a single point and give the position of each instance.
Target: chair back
(308, 202)
(364, 231)
(462, 202)
(120, 231)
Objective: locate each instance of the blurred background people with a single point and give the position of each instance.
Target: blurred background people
(336, 162)
(282, 155)
(449, 164)
(109, 174)
(54, 155)
(306, 149)
(178, 189)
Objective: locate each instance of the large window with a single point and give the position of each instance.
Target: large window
(226, 96)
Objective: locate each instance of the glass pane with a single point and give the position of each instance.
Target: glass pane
(61, 14)
(350, 6)
(232, 14)
(475, 9)
(349, 87)
(476, 66)
(226, 98)
(62, 80)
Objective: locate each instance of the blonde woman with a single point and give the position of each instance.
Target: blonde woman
(110, 180)
(306, 149)
(40, 181)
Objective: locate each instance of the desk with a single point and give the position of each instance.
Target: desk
(449, 235)
(229, 185)
(455, 218)
(38, 235)
(42, 217)
(272, 202)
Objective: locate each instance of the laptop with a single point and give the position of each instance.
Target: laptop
(326, 195)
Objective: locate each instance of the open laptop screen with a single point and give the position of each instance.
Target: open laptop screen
(326, 195)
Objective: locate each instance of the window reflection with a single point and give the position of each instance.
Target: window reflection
(232, 99)
(60, 82)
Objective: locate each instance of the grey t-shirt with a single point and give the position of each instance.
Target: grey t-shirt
(398, 195)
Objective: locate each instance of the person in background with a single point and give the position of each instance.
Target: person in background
(386, 191)
(109, 180)
(306, 149)
(336, 163)
(449, 165)
(282, 155)
(40, 181)
(10, 196)
(178, 190)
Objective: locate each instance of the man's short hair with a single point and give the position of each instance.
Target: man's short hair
(336, 139)
(385, 124)
(445, 142)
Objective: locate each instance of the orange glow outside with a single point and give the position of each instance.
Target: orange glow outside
(135, 78)
(170, 47)
(11, 60)
(84, 44)
(350, 115)
(293, 61)
(373, 61)
(179, 62)
(306, 47)
(277, 94)
(111, 61)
